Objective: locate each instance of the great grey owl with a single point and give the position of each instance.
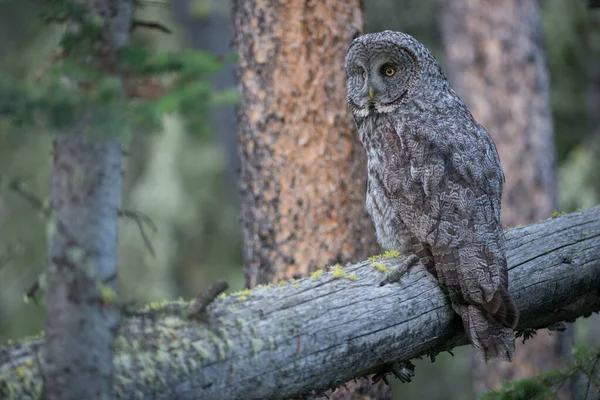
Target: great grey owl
(434, 181)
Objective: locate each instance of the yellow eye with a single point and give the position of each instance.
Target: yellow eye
(364, 75)
(389, 71)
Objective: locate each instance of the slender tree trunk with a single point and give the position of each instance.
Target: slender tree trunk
(81, 318)
(302, 168)
(82, 263)
(495, 60)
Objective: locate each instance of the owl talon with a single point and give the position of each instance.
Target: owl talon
(402, 270)
(403, 370)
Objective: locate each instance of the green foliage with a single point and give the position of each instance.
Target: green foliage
(85, 78)
(190, 93)
(62, 11)
(545, 386)
(23, 103)
(83, 33)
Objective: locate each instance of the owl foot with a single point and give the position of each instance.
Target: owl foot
(403, 370)
(402, 270)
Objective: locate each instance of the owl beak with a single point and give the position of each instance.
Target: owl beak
(371, 92)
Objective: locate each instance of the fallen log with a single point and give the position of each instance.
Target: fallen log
(298, 338)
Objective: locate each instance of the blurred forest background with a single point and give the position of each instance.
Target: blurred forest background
(186, 180)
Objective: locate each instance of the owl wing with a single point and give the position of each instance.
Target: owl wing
(461, 181)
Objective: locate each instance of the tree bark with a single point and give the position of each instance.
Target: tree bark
(303, 170)
(81, 316)
(495, 61)
(303, 337)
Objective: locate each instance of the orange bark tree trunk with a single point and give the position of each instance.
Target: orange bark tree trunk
(303, 173)
(495, 61)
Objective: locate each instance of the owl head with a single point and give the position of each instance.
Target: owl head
(381, 70)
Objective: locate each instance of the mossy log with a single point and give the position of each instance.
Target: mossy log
(297, 338)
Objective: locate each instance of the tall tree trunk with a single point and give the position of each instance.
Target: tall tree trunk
(81, 317)
(303, 173)
(495, 60)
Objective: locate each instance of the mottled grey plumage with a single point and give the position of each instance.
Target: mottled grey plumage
(434, 180)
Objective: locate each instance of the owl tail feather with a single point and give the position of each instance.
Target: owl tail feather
(490, 339)
(502, 310)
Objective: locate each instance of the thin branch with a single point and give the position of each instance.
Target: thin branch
(402, 270)
(141, 220)
(591, 377)
(151, 25)
(23, 190)
(208, 295)
(33, 289)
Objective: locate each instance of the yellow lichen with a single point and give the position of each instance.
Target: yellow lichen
(334, 266)
(272, 345)
(220, 346)
(222, 351)
(107, 293)
(159, 305)
(264, 286)
(242, 324)
(379, 266)
(171, 322)
(243, 292)
(257, 345)
(338, 272)
(556, 214)
(202, 353)
(243, 295)
(387, 254)
(316, 274)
